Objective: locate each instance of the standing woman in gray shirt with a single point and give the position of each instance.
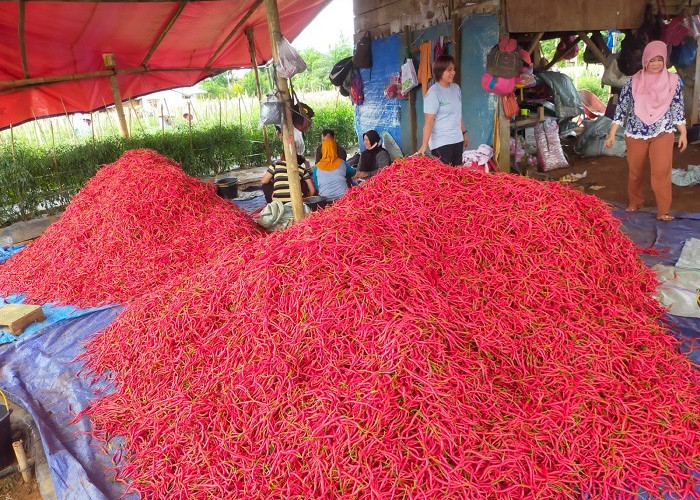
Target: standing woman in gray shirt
(444, 130)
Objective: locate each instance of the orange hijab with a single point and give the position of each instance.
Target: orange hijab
(329, 156)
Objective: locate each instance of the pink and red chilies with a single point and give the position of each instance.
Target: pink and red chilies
(437, 333)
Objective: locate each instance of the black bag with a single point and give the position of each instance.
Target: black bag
(340, 71)
(632, 46)
(301, 114)
(362, 58)
(588, 56)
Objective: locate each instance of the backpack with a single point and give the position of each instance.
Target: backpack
(504, 60)
(340, 71)
(362, 58)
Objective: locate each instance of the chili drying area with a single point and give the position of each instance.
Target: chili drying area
(437, 332)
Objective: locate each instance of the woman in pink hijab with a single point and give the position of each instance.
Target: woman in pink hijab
(651, 104)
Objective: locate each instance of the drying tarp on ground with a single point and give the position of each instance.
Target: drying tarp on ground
(51, 51)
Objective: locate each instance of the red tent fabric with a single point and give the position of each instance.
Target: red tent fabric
(61, 69)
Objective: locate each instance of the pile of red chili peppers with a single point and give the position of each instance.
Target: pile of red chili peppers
(437, 333)
(137, 223)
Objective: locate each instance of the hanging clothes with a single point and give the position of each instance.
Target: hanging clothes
(425, 73)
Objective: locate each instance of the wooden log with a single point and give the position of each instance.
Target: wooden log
(290, 148)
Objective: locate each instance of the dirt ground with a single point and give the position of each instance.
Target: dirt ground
(14, 488)
(611, 173)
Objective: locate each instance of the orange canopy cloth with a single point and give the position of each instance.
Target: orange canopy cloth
(55, 65)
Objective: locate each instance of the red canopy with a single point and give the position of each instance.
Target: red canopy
(51, 51)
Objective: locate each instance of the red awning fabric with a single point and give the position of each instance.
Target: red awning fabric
(51, 51)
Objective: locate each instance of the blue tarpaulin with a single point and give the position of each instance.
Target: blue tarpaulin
(7, 252)
(377, 112)
(38, 371)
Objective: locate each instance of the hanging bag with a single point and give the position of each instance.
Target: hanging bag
(270, 110)
(510, 105)
(301, 113)
(504, 60)
(289, 62)
(409, 78)
(362, 58)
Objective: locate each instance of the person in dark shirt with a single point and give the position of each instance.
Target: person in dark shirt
(330, 134)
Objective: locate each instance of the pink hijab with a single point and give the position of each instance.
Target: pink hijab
(653, 93)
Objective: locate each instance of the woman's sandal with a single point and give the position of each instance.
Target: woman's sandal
(633, 208)
(665, 217)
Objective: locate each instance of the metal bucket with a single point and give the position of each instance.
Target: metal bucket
(227, 187)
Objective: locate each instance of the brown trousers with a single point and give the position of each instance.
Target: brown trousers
(659, 152)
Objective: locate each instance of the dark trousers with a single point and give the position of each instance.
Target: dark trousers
(450, 154)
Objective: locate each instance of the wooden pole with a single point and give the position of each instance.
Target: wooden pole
(290, 148)
(457, 38)
(92, 129)
(411, 94)
(189, 122)
(110, 63)
(12, 142)
(501, 140)
(594, 48)
(696, 89)
(258, 88)
(138, 120)
(558, 56)
(534, 42)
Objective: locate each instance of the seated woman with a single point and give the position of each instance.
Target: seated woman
(330, 172)
(275, 182)
(373, 158)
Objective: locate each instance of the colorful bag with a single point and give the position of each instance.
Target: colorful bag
(497, 85)
(409, 78)
(510, 105)
(357, 93)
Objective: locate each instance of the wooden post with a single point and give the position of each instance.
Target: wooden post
(594, 48)
(110, 63)
(55, 159)
(12, 142)
(696, 89)
(290, 148)
(138, 120)
(535, 42)
(558, 56)
(457, 38)
(92, 129)
(258, 89)
(501, 141)
(189, 122)
(411, 94)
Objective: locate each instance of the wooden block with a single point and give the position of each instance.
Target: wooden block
(18, 316)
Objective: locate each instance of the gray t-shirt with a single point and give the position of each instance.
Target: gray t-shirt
(446, 105)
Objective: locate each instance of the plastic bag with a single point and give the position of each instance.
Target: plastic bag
(549, 151)
(270, 110)
(290, 62)
(409, 78)
(611, 73)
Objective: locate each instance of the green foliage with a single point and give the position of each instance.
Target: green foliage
(36, 182)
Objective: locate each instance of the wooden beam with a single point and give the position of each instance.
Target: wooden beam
(243, 20)
(594, 48)
(254, 61)
(483, 7)
(167, 28)
(22, 45)
(411, 97)
(533, 16)
(558, 56)
(457, 38)
(696, 89)
(290, 148)
(535, 42)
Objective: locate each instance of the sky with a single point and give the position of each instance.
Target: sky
(327, 27)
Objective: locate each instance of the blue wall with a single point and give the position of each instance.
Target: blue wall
(479, 34)
(378, 112)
